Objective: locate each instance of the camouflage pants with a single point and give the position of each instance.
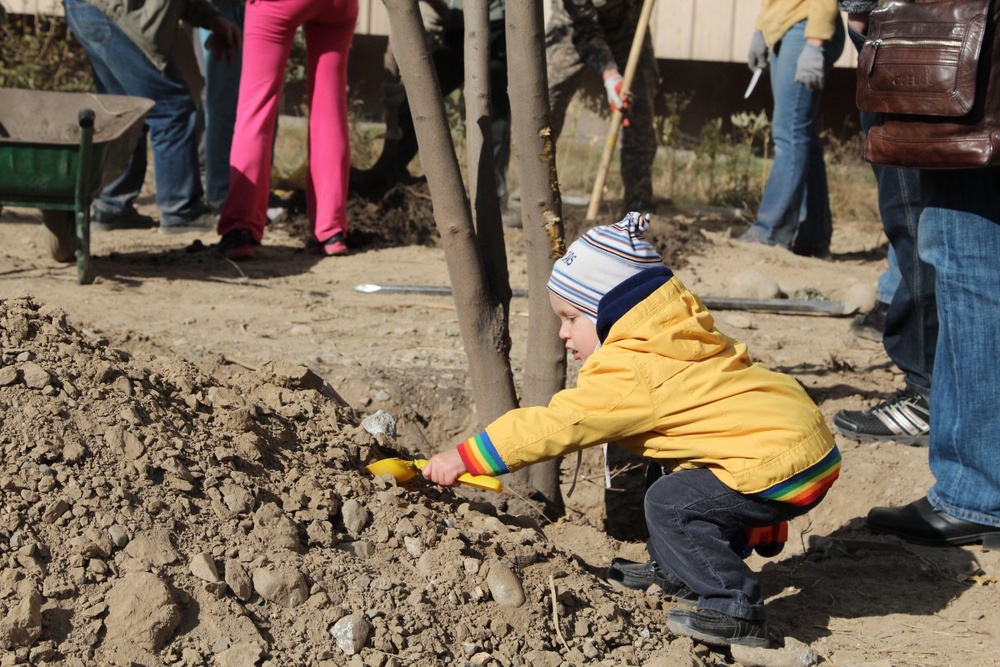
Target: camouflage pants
(566, 70)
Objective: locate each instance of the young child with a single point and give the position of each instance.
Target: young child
(744, 446)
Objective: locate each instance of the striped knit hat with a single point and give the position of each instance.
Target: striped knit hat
(600, 260)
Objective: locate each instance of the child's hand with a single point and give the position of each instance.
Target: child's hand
(444, 468)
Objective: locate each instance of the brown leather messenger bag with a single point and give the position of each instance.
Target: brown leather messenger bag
(932, 72)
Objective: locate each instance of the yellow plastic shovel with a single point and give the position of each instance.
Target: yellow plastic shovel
(403, 471)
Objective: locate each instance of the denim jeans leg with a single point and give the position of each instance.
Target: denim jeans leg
(222, 87)
(889, 279)
(911, 323)
(794, 126)
(687, 514)
(815, 227)
(171, 121)
(960, 237)
(95, 32)
(173, 134)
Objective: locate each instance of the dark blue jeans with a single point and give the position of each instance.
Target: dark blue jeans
(688, 513)
(911, 324)
(121, 68)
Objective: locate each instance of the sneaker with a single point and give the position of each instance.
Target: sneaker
(128, 218)
(235, 244)
(640, 576)
(905, 418)
(871, 325)
(203, 223)
(333, 246)
(717, 629)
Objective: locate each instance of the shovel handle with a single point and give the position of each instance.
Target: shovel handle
(484, 482)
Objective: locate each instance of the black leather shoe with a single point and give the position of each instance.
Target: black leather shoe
(640, 576)
(920, 523)
(716, 628)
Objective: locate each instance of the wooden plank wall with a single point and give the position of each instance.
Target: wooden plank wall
(710, 30)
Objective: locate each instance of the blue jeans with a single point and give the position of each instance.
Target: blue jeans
(795, 208)
(121, 68)
(911, 324)
(889, 279)
(222, 87)
(960, 237)
(688, 513)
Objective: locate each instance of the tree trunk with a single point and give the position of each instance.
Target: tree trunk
(481, 316)
(479, 150)
(541, 212)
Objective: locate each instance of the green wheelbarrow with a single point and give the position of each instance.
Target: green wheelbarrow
(57, 150)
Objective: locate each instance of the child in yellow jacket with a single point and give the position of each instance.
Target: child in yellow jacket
(744, 446)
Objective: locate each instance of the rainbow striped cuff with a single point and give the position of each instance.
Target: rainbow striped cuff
(481, 457)
(808, 485)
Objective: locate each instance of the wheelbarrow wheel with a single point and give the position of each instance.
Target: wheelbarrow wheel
(60, 228)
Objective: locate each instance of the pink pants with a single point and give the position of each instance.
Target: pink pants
(269, 29)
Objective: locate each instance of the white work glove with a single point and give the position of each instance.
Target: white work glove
(811, 69)
(613, 87)
(757, 56)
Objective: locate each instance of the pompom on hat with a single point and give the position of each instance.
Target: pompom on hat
(600, 260)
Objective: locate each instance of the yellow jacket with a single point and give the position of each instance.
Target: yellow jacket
(777, 16)
(668, 386)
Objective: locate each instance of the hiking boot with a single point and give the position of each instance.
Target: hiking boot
(871, 325)
(640, 576)
(127, 218)
(905, 418)
(235, 244)
(717, 629)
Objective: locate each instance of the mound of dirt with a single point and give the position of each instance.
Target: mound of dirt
(404, 216)
(152, 514)
(171, 494)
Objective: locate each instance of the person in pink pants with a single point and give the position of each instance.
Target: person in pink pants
(269, 29)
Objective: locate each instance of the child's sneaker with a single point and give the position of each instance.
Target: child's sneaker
(640, 576)
(717, 629)
(637, 576)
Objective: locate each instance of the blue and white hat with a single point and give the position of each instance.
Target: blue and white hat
(600, 260)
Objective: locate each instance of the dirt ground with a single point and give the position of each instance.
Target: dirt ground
(182, 480)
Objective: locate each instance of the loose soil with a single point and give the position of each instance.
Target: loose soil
(184, 445)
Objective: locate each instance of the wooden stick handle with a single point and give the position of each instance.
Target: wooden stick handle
(616, 118)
